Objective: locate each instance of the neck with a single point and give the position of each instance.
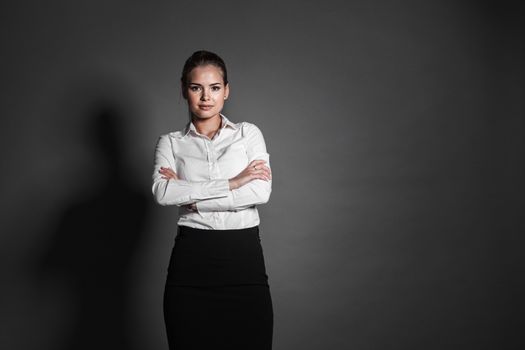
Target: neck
(207, 126)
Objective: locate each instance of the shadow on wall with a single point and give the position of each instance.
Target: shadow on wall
(90, 256)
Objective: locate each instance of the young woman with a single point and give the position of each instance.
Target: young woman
(216, 171)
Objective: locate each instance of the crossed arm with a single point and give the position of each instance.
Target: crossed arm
(250, 187)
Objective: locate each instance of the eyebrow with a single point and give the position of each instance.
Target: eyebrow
(210, 84)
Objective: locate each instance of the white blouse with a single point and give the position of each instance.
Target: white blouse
(204, 166)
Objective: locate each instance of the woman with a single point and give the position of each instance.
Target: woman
(216, 171)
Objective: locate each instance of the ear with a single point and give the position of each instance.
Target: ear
(226, 91)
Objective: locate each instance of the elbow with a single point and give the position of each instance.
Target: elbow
(264, 196)
(159, 194)
(159, 198)
(160, 201)
(163, 197)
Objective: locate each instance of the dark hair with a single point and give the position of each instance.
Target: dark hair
(202, 58)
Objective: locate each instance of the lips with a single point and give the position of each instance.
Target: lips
(205, 106)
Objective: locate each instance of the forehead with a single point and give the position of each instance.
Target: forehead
(207, 73)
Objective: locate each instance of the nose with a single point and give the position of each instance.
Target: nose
(205, 95)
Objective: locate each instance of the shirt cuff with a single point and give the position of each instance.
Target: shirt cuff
(215, 204)
(213, 189)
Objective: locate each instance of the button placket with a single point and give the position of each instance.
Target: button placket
(211, 161)
(208, 156)
(214, 175)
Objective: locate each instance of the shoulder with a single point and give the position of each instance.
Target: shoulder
(169, 136)
(253, 136)
(249, 129)
(166, 140)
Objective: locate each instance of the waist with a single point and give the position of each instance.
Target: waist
(217, 257)
(211, 242)
(183, 229)
(219, 220)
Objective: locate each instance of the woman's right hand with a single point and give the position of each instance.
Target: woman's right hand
(168, 173)
(255, 170)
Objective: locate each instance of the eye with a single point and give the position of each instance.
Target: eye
(194, 88)
(215, 88)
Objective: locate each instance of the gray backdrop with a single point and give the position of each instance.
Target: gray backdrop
(395, 132)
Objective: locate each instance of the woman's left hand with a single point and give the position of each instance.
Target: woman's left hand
(168, 173)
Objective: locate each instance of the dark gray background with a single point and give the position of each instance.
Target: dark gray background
(395, 132)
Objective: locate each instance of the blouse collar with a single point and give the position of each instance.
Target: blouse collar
(224, 122)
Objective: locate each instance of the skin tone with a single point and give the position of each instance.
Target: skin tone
(205, 94)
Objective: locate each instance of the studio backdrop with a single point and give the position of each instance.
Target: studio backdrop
(396, 138)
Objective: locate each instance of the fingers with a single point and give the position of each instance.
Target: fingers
(263, 173)
(266, 172)
(258, 164)
(168, 173)
(249, 173)
(261, 177)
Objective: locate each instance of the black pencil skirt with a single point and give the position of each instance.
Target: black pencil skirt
(217, 293)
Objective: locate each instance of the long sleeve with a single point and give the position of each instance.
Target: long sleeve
(181, 192)
(254, 192)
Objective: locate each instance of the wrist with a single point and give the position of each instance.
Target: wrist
(233, 184)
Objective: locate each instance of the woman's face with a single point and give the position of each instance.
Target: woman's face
(206, 91)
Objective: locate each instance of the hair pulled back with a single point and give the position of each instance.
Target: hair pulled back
(201, 58)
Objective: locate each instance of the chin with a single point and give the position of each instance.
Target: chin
(205, 114)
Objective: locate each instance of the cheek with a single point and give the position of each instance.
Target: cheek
(193, 100)
(220, 99)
